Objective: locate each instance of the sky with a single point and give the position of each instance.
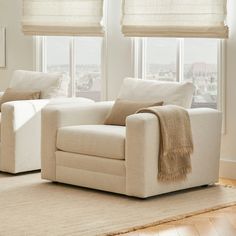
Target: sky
(163, 50)
(159, 51)
(88, 50)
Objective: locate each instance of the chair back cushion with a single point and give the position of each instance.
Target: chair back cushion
(174, 93)
(50, 84)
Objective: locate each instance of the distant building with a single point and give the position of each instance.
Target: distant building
(88, 79)
(203, 75)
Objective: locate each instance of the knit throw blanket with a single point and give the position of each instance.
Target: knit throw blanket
(176, 143)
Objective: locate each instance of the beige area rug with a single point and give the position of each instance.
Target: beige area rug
(30, 206)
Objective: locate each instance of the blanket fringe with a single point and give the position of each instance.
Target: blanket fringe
(181, 175)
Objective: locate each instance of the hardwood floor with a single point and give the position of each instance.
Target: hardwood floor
(215, 223)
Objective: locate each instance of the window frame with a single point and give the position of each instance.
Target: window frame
(40, 55)
(139, 67)
(139, 45)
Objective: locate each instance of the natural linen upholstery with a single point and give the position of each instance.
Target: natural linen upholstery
(21, 120)
(78, 149)
(95, 140)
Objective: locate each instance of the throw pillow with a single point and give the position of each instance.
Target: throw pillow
(15, 95)
(123, 108)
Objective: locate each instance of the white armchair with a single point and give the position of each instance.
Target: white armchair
(21, 120)
(20, 135)
(78, 149)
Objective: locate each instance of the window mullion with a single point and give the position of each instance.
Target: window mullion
(139, 57)
(220, 73)
(143, 58)
(72, 67)
(221, 81)
(180, 61)
(135, 56)
(44, 53)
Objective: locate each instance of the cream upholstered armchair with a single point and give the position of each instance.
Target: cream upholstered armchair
(78, 149)
(21, 120)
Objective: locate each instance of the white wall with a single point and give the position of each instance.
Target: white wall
(19, 48)
(119, 63)
(229, 139)
(118, 59)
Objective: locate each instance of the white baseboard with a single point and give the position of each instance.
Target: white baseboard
(228, 169)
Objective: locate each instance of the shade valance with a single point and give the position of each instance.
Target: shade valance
(175, 18)
(63, 17)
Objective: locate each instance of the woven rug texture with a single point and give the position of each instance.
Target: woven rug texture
(31, 206)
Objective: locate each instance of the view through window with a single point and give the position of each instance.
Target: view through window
(88, 68)
(58, 54)
(194, 60)
(85, 69)
(161, 59)
(167, 59)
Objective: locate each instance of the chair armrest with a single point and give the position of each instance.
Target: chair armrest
(19, 112)
(69, 100)
(20, 128)
(54, 117)
(142, 148)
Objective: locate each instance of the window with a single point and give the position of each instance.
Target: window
(80, 58)
(57, 54)
(201, 68)
(194, 60)
(88, 68)
(161, 59)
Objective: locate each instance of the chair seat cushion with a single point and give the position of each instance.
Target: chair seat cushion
(97, 140)
(173, 93)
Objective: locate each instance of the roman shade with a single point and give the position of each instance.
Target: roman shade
(63, 17)
(175, 18)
